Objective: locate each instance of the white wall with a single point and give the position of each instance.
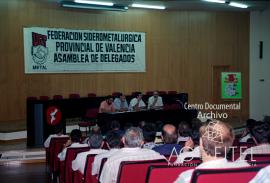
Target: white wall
(259, 68)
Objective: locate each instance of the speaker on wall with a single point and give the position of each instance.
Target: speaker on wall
(261, 50)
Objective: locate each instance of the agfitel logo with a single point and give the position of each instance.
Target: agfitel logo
(212, 133)
(39, 50)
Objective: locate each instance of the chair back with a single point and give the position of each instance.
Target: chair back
(166, 107)
(225, 175)
(135, 171)
(92, 95)
(44, 98)
(57, 97)
(259, 163)
(88, 178)
(175, 106)
(70, 156)
(101, 166)
(134, 93)
(56, 146)
(170, 158)
(165, 173)
(116, 94)
(162, 92)
(91, 113)
(258, 157)
(74, 95)
(172, 92)
(77, 177)
(195, 161)
(31, 98)
(149, 93)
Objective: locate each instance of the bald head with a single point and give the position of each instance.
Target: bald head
(169, 134)
(168, 128)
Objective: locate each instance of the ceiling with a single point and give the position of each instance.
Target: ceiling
(254, 5)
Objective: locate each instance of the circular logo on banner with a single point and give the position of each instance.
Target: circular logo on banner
(53, 115)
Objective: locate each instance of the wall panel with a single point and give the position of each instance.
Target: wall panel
(181, 49)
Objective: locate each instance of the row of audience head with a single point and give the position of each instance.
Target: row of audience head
(257, 131)
(214, 139)
(146, 133)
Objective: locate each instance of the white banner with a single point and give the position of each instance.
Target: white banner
(51, 50)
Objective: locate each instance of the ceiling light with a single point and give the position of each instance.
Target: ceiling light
(238, 5)
(135, 5)
(70, 4)
(216, 1)
(94, 2)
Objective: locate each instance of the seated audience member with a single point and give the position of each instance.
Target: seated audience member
(196, 125)
(133, 140)
(155, 101)
(215, 141)
(159, 125)
(120, 103)
(115, 127)
(195, 153)
(186, 155)
(113, 141)
(246, 133)
(261, 136)
(266, 119)
(169, 137)
(94, 130)
(141, 124)
(74, 141)
(149, 135)
(127, 126)
(137, 103)
(58, 133)
(95, 143)
(204, 119)
(263, 176)
(184, 132)
(107, 105)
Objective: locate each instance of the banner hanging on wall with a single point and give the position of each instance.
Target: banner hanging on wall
(231, 85)
(53, 50)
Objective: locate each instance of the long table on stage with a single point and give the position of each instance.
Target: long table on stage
(39, 111)
(134, 117)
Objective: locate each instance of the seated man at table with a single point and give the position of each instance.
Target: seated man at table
(120, 103)
(137, 104)
(133, 140)
(107, 105)
(155, 101)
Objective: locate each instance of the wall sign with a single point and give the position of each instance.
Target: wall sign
(231, 85)
(53, 50)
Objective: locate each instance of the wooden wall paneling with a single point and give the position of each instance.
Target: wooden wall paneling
(181, 47)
